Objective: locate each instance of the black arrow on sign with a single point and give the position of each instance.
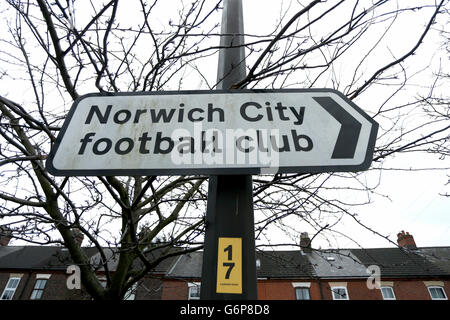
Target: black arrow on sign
(350, 128)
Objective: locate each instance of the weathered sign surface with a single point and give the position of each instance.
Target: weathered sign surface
(213, 132)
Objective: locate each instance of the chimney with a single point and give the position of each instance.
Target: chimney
(5, 236)
(305, 242)
(405, 240)
(79, 236)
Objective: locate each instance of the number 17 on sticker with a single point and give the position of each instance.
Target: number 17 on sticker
(229, 266)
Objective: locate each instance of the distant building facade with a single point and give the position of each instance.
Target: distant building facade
(403, 273)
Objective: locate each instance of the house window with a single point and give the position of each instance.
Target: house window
(387, 293)
(38, 289)
(339, 293)
(194, 291)
(302, 294)
(437, 293)
(103, 282)
(10, 288)
(131, 292)
(258, 263)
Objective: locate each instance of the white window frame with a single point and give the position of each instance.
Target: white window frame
(302, 288)
(36, 291)
(193, 285)
(346, 293)
(131, 292)
(437, 287)
(7, 288)
(302, 285)
(103, 281)
(392, 290)
(39, 276)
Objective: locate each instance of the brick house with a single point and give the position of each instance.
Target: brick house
(39, 272)
(405, 273)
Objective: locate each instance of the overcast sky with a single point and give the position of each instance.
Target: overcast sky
(414, 202)
(405, 200)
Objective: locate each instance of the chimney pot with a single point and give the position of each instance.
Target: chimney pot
(5, 235)
(406, 240)
(305, 242)
(79, 236)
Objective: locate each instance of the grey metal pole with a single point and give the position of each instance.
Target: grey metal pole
(231, 68)
(229, 266)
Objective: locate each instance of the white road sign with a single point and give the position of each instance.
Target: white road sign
(213, 132)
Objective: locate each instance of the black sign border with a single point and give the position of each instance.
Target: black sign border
(210, 171)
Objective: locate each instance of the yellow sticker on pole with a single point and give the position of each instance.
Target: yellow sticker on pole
(229, 266)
